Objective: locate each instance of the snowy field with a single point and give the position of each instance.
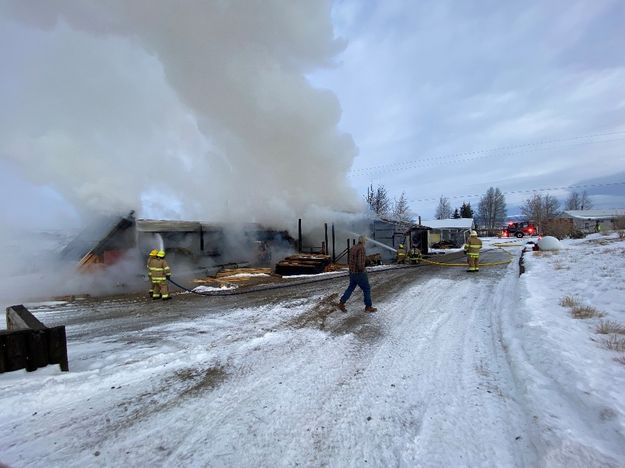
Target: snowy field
(456, 369)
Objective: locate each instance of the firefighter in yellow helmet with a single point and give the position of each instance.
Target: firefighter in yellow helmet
(159, 271)
(151, 257)
(472, 249)
(401, 253)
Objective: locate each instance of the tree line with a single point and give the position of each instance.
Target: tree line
(491, 212)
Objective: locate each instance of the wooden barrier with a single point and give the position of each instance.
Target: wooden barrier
(29, 344)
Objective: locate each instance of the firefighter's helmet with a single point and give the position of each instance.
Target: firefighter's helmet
(473, 234)
(161, 254)
(153, 253)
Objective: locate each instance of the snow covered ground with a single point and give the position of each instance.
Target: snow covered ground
(455, 369)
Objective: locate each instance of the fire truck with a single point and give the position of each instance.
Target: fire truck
(519, 230)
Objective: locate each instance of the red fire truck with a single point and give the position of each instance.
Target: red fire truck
(519, 230)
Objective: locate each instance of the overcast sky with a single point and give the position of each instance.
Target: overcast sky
(204, 110)
(427, 88)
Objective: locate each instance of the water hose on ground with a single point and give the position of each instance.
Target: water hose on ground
(234, 292)
(422, 262)
(485, 264)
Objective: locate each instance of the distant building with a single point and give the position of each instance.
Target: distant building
(593, 220)
(452, 231)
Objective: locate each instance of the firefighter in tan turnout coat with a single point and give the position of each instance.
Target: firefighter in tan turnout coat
(159, 271)
(472, 249)
(151, 257)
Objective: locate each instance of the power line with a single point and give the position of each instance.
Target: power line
(415, 164)
(548, 189)
(466, 156)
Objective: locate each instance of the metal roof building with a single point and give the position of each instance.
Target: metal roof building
(594, 220)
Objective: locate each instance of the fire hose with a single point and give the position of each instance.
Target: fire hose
(234, 292)
(422, 262)
(485, 264)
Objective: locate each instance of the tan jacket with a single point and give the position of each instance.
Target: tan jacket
(473, 246)
(158, 269)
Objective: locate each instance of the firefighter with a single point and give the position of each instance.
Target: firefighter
(415, 256)
(472, 249)
(263, 254)
(159, 272)
(151, 258)
(401, 254)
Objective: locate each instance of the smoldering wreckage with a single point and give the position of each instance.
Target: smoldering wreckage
(206, 259)
(204, 252)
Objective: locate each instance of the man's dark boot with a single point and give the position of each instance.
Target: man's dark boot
(342, 307)
(370, 309)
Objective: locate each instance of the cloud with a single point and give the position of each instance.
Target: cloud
(426, 79)
(200, 106)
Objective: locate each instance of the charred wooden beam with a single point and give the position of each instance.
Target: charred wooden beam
(333, 245)
(29, 344)
(325, 248)
(19, 318)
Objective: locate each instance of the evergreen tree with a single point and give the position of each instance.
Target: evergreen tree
(466, 211)
(457, 214)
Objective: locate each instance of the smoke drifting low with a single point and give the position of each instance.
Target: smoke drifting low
(192, 109)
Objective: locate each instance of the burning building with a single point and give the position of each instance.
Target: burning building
(195, 244)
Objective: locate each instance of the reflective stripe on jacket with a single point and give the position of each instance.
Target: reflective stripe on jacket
(158, 269)
(473, 246)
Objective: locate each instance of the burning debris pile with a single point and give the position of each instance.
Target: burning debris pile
(102, 243)
(229, 277)
(304, 264)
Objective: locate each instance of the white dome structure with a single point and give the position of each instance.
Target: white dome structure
(549, 243)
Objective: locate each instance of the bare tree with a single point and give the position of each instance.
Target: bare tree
(401, 210)
(492, 209)
(378, 200)
(539, 209)
(443, 210)
(577, 201)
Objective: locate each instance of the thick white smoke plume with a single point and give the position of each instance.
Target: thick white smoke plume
(194, 109)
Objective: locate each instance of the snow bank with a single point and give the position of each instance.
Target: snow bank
(205, 289)
(246, 275)
(573, 384)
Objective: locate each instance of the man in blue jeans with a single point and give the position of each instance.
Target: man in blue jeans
(358, 276)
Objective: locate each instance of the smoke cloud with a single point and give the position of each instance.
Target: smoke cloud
(191, 109)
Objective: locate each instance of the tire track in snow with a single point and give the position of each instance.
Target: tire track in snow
(558, 411)
(425, 385)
